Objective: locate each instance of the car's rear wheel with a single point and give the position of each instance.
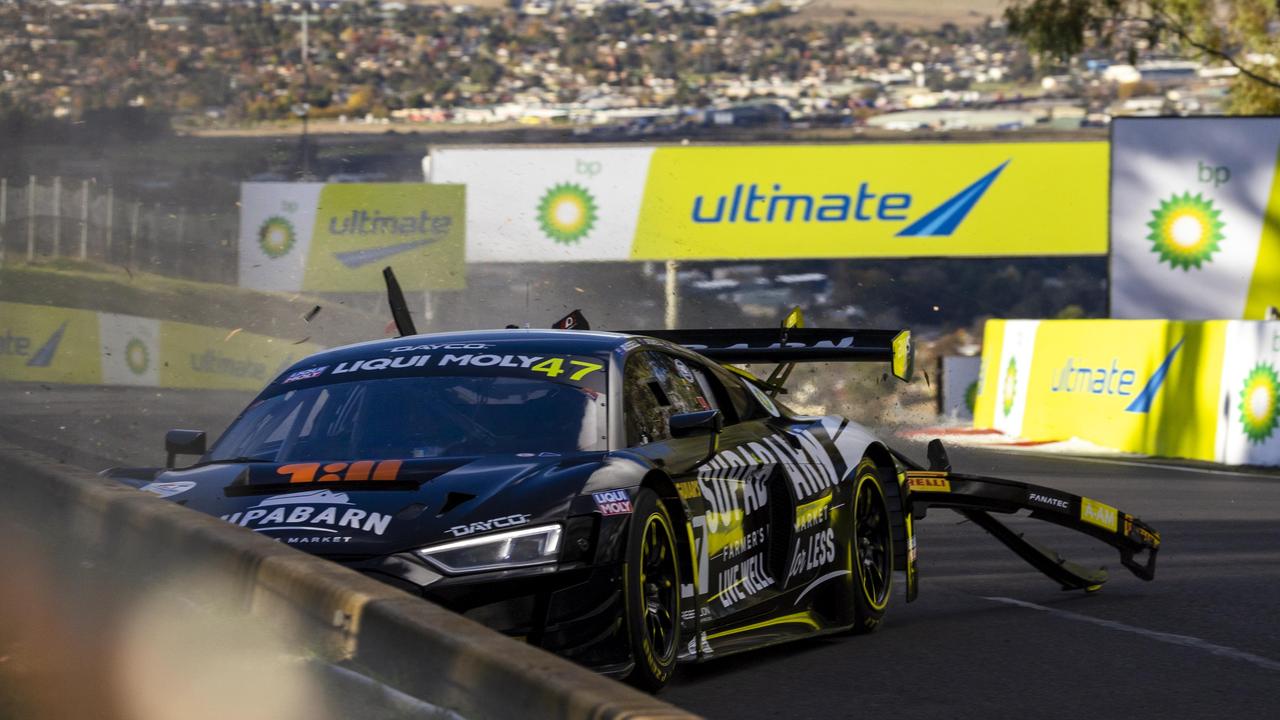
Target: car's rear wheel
(872, 550)
(652, 574)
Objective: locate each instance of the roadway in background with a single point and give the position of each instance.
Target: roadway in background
(1200, 641)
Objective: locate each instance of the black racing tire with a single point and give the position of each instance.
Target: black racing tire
(651, 587)
(871, 549)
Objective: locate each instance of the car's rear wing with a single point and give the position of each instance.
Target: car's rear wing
(797, 344)
(975, 496)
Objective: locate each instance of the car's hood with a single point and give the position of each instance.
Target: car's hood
(398, 507)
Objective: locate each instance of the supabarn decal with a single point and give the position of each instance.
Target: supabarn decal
(320, 511)
(735, 486)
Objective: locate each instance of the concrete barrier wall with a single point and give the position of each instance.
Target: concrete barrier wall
(1204, 390)
(43, 343)
(120, 605)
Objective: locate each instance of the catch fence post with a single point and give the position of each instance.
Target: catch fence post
(133, 233)
(177, 262)
(31, 219)
(4, 213)
(111, 204)
(57, 215)
(84, 219)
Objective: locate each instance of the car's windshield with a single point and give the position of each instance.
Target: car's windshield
(416, 417)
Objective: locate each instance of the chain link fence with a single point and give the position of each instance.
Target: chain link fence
(81, 219)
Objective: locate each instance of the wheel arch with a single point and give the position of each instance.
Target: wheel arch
(879, 454)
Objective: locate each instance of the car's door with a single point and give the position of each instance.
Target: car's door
(738, 559)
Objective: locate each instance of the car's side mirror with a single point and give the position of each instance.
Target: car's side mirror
(695, 424)
(183, 442)
(706, 423)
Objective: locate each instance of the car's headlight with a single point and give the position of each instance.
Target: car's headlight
(515, 548)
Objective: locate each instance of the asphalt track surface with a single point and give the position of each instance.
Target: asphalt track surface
(988, 637)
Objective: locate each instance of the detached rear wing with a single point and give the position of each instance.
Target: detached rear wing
(796, 344)
(976, 496)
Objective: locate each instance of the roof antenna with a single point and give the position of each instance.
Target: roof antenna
(399, 308)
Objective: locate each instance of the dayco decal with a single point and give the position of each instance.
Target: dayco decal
(612, 502)
(305, 511)
(1100, 514)
(1047, 500)
(486, 525)
(168, 489)
(1078, 377)
(447, 346)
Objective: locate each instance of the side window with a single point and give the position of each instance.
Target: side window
(749, 401)
(647, 404)
(690, 393)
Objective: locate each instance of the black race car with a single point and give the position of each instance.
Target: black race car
(627, 500)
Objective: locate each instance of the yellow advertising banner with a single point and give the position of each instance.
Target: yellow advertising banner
(322, 237)
(40, 343)
(361, 228)
(1144, 386)
(919, 200)
(219, 359)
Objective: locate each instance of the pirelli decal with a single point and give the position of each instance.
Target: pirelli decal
(924, 481)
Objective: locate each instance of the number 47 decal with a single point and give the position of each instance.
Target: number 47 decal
(553, 367)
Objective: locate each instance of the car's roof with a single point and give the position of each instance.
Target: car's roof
(568, 342)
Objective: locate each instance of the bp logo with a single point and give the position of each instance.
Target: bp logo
(1010, 386)
(136, 356)
(1185, 231)
(1258, 402)
(567, 212)
(971, 397)
(276, 237)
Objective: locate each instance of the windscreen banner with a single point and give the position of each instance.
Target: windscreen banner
(337, 237)
(1195, 219)
(776, 202)
(45, 344)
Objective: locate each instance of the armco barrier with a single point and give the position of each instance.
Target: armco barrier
(1201, 390)
(117, 604)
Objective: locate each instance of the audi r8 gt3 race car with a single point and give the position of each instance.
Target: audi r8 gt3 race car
(628, 500)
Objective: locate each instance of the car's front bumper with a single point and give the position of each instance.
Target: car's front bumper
(575, 610)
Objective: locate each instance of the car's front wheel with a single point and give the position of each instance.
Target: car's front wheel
(872, 550)
(652, 577)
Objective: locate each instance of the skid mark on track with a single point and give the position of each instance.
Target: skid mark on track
(1170, 638)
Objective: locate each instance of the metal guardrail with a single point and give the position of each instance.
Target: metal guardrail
(117, 604)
